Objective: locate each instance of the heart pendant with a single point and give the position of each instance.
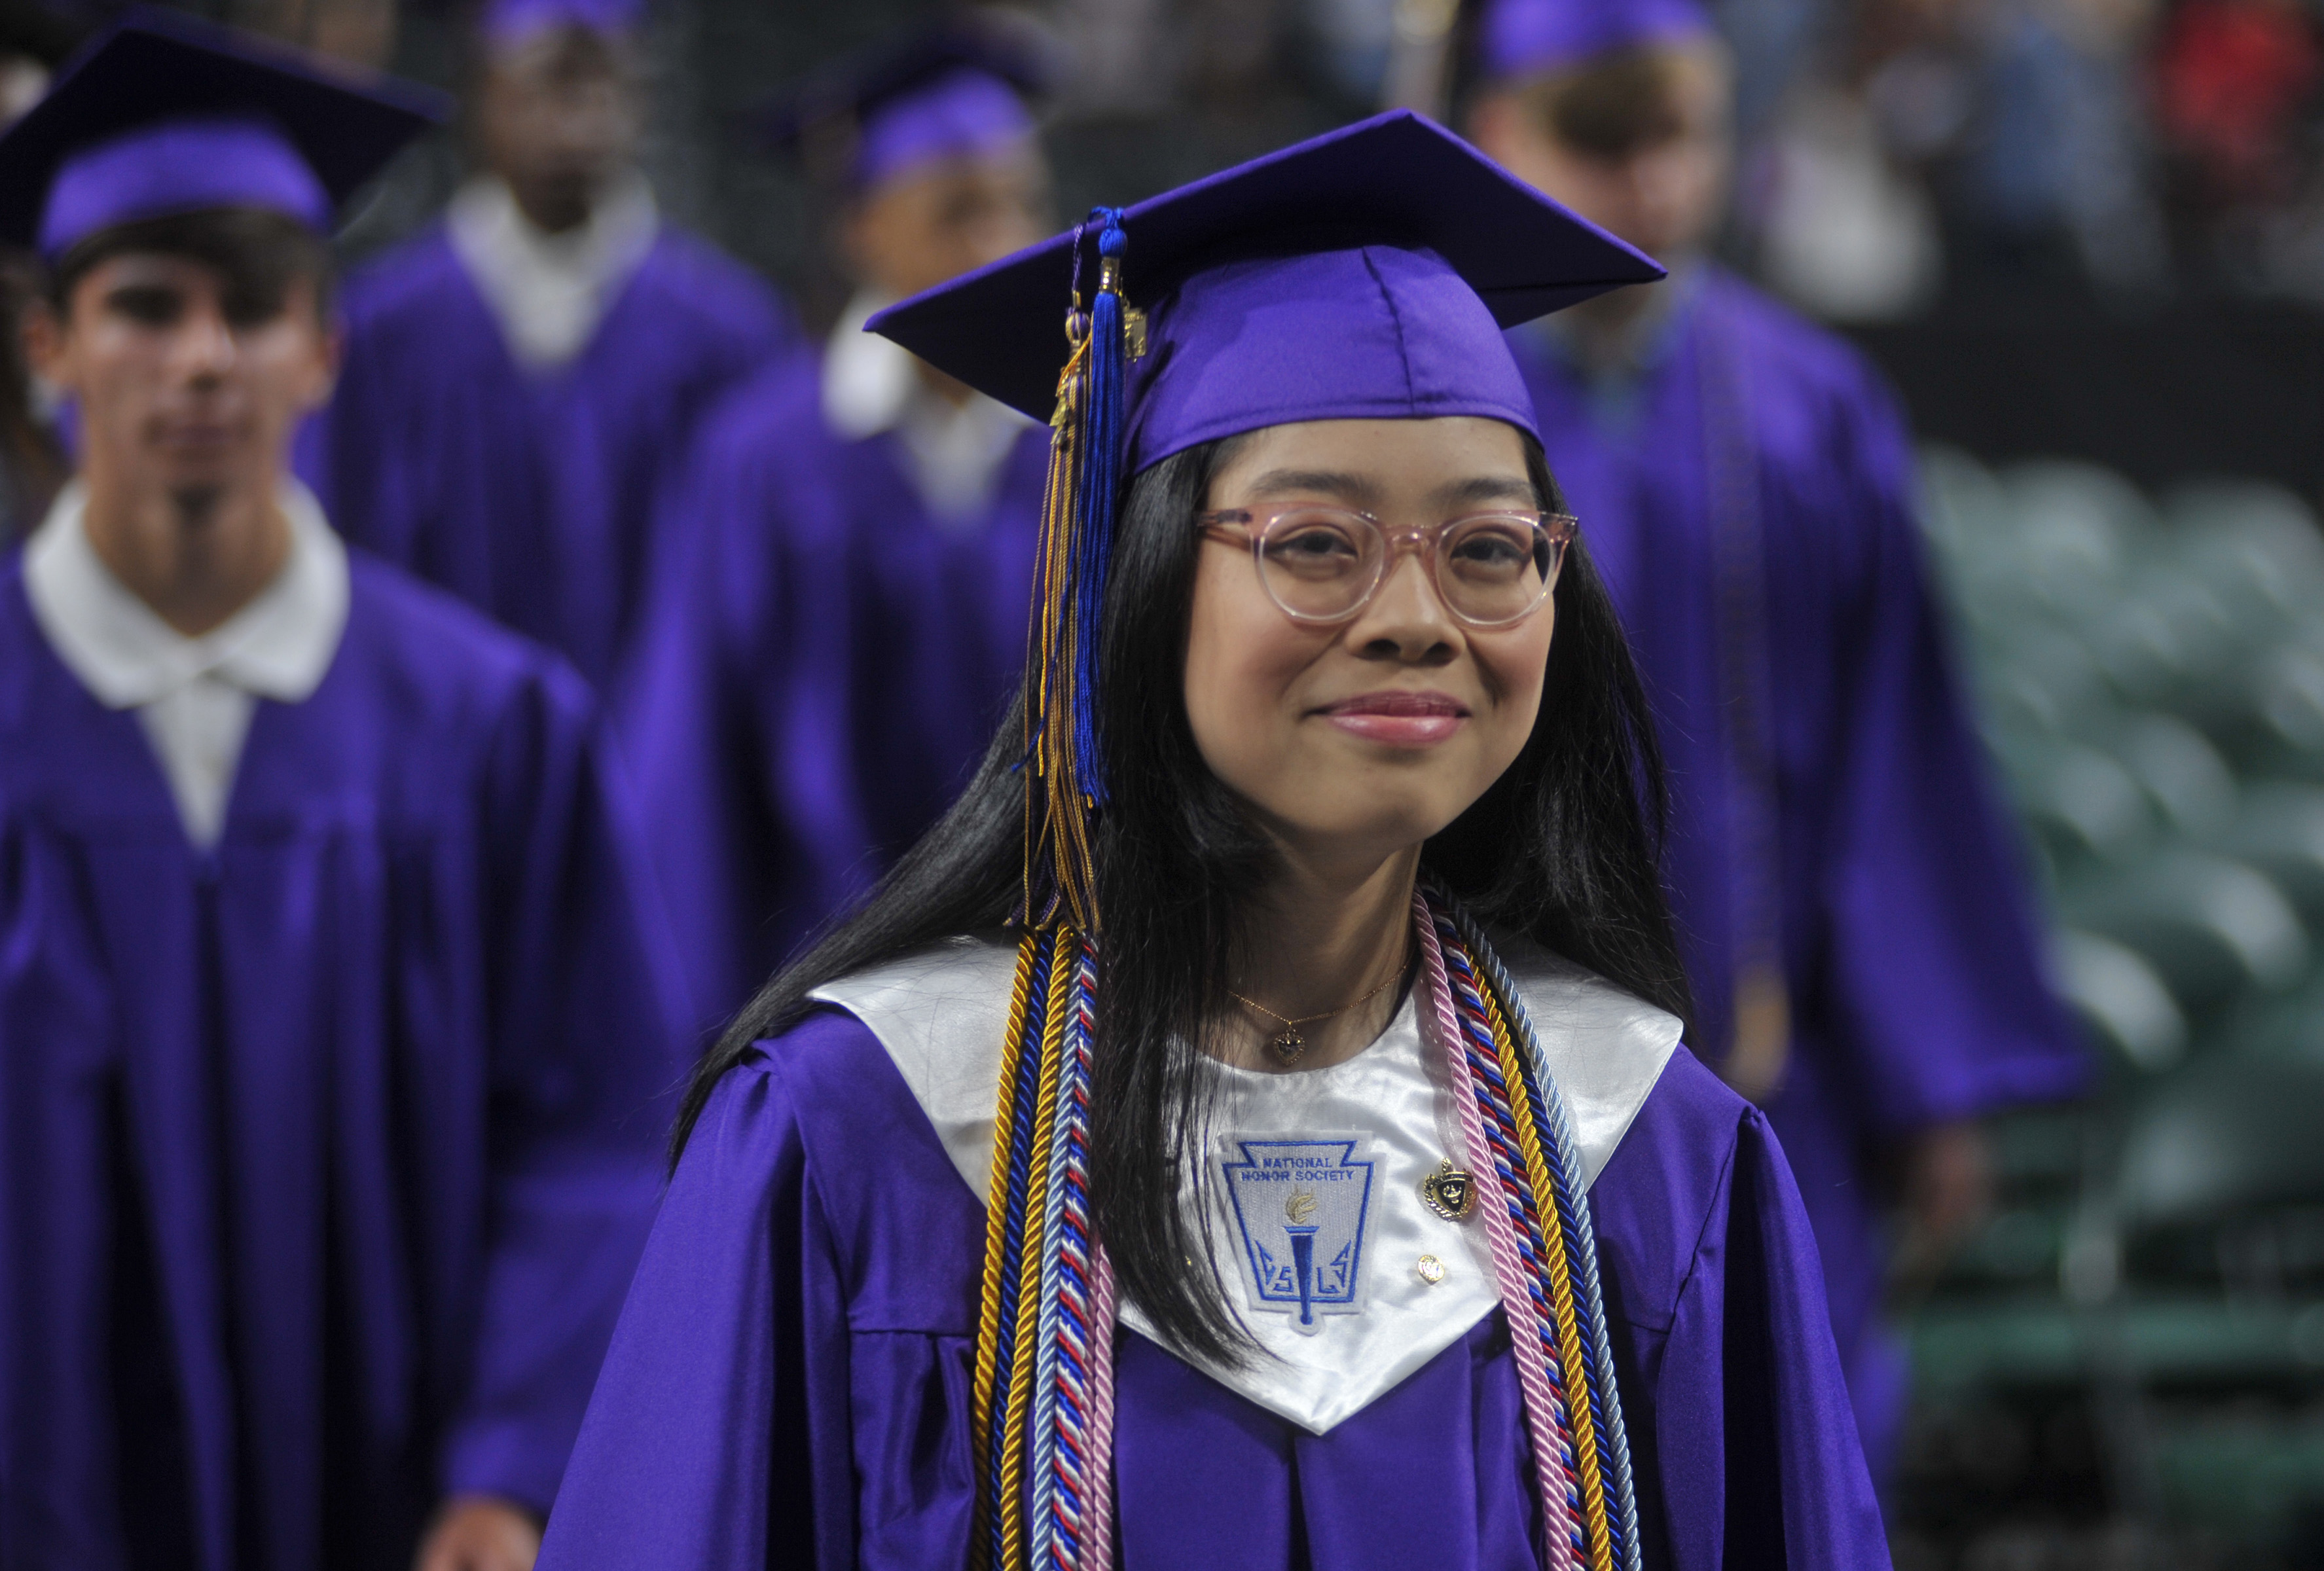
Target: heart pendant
(1287, 1046)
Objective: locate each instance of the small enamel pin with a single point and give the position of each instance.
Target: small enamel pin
(1448, 1192)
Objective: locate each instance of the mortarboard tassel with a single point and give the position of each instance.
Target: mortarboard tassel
(1068, 784)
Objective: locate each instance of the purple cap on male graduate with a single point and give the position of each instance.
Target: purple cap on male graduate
(505, 22)
(1530, 37)
(165, 114)
(958, 91)
(1365, 274)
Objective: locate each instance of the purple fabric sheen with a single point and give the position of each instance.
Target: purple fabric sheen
(1530, 37)
(1907, 937)
(504, 22)
(1374, 333)
(790, 1381)
(530, 495)
(963, 113)
(325, 1156)
(180, 166)
(820, 668)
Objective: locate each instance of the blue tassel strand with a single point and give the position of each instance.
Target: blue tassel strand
(1067, 785)
(1095, 496)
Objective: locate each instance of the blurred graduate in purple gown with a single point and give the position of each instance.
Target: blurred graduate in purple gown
(1851, 903)
(839, 615)
(330, 1033)
(1264, 1269)
(524, 377)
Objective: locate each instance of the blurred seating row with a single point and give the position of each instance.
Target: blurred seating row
(2149, 678)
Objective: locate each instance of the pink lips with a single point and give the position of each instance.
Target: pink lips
(1398, 719)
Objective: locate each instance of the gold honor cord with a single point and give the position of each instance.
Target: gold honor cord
(988, 1310)
(1030, 1257)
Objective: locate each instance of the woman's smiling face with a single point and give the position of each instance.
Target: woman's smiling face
(1357, 740)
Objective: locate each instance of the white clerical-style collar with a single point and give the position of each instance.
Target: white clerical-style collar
(278, 646)
(549, 291)
(1328, 1163)
(872, 384)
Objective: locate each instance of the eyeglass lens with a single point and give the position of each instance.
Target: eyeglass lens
(1323, 565)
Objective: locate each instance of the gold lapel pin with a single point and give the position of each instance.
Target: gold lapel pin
(1449, 1192)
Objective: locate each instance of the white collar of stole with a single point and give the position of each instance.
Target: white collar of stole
(941, 1013)
(955, 452)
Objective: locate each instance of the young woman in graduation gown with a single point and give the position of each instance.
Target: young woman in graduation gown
(1251, 1130)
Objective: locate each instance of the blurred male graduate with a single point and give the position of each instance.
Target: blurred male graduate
(523, 377)
(330, 1031)
(839, 616)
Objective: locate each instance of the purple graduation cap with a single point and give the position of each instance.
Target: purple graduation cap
(503, 23)
(1529, 38)
(959, 91)
(1365, 274)
(166, 115)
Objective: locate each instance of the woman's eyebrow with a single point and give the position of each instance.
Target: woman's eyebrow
(1348, 487)
(1482, 488)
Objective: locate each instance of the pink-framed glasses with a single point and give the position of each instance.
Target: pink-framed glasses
(1323, 565)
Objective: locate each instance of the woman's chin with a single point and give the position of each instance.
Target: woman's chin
(1366, 831)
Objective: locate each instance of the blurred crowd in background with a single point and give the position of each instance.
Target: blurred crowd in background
(2090, 231)
(1897, 154)
(2081, 167)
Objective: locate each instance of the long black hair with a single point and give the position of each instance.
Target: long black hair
(1562, 847)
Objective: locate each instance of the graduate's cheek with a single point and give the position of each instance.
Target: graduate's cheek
(291, 361)
(1245, 664)
(1513, 663)
(115, 377)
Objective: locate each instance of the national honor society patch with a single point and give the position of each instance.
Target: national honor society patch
(1303, 1206)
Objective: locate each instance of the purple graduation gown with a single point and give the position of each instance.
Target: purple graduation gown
(790, 1384)
(325, 1155)
(823, 664)
(1905, 934)
(530, 494)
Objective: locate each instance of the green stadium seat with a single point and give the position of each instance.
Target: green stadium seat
(2182, 773)
(2213, 929)
(2177, 1264)
(2121, 1000)
(2084, 808)
(2279, 828)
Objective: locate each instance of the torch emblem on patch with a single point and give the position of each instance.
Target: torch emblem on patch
(1301, 1208)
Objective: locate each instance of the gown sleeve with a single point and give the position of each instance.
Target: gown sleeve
(1744, 1443)
(584, 1027)
(1936, 968)
(718, 1437)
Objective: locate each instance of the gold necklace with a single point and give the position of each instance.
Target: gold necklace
(1286, 1044)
